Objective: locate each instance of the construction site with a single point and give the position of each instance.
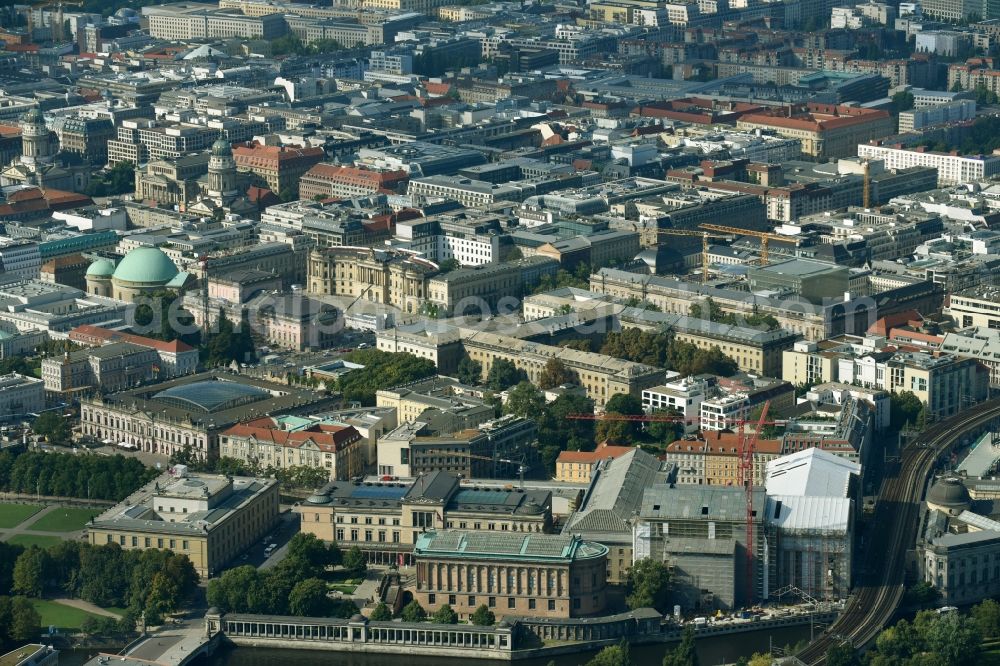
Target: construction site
(736, 545)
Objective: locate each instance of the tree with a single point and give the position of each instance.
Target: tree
(921, 594)
(760, 659)
(987, 617)
(469, 372)
(445, 615)
(648, 585)
(902, 101)
(904, 409)
(26, 623)
(613, 655)
(685, 654)
(557, 432)
(308, 598)
(381, 370)
(483, 616)
(308, 547)
(955, 639)
(413, 612)
(449, 265)
(9, 553)
(524, 400)
(354, 562)
(556, 374)
(53, 427)
(624, 432)
(30, 571)
(380, 613)
(503, 374)
(842, 655)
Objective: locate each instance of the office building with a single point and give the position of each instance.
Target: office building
(329, 180)
(281, 167)
(951, 169)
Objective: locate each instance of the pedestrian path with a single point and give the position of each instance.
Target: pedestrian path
(87, 607)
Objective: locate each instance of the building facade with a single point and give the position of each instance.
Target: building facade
(210, 518)
(515, 574)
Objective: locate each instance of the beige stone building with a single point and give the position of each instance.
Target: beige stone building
(172, 180)
(825, 130)
(210, 518)
(385, 519)
(576, 466)
(381, 276)
(188, 413)
(599, 375)
(533, 575)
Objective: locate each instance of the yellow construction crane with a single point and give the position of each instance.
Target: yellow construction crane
(704, 245)
(764, 237)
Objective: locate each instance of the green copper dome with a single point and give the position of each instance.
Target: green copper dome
(101, 268)
(221, 148)
(33, 116)
(146, 265)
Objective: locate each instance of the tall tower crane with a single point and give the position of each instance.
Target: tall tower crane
(704, 245)
(764, 237)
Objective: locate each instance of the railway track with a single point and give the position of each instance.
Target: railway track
(881, 587)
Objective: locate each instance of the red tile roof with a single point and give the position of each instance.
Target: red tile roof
(327, 438)
(88, 333)
(602, 452)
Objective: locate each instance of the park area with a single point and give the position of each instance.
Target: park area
(63, 519)
(65, 618)
(12, 515)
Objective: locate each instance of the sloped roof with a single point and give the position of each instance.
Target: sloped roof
(794, 512)
(615, 493)
(810, 472)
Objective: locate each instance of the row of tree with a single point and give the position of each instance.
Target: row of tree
(382, 370)
(414, 612)
(684, 654)
(153, 581)
(556, 432)
(19, 621)
(296, 586)
(941, 639)
(84, 476)
(662, 350)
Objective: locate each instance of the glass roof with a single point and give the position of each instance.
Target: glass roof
(211, 396)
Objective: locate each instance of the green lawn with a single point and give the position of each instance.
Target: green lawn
(12, 515)
(65, 618)
(41, 540)
(344, 589)
(63, 520)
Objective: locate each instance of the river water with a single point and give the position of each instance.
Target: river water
(711, 651)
